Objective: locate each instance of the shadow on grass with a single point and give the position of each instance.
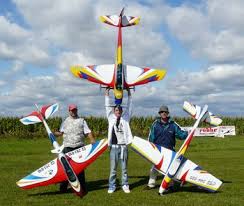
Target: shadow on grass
(143, 180)
(193, 188)
(225, 181)
(52, 193)
(186, 188)
(91, 186)
(97, 185)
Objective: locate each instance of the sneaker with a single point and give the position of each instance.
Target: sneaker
(111, 190)
(126, 188)
(149, 188)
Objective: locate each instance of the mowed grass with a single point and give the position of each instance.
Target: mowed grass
(221, 157)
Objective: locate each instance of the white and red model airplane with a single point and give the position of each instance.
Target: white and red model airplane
(65, 166)
(118, 76)
(173, 165)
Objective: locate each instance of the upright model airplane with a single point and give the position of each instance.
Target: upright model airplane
(65, 166)
(173, 165)
(118, 76)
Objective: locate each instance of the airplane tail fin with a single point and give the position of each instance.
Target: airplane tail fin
(36, 117)
(195, 110)
(113, 20)
(49, 110)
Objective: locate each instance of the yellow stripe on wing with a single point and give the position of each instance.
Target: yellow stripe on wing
(77, 70)
(155, 72)
(142, 153)
(135, 20)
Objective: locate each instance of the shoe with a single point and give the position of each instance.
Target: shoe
(111, 190)
(168, 190)
(126, 188)
(148, 187)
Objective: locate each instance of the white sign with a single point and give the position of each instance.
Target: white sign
(219, 131)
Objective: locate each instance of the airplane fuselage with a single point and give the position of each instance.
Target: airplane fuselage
(119, 71)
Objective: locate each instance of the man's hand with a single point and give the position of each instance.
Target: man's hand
(107, 91)
(91, 138)
(58, 134)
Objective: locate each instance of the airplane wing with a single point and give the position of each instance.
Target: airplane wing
(114, 20)
(137, 76)
(52, 172)
(194, 111)
(100, 74)
(161, 157)
(187, 172)
(192, 173)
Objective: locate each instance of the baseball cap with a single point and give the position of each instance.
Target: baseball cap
(163, 109)
(72, 107)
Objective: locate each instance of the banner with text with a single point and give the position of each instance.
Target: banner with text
(219, 131)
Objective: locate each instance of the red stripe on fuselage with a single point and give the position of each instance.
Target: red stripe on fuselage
(159, 165)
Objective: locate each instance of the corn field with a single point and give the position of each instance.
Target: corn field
(12, 127)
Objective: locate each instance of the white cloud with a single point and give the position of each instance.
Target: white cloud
(212, 31)
(2, 82)
(76, 27)
(225, 15)
(16, 43)
(11, 32)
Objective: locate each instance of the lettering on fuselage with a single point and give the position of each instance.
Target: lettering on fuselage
(202, 181)
(212, 183)
(76, 151)
(46, 167)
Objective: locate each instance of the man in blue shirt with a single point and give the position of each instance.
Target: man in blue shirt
(164, 132)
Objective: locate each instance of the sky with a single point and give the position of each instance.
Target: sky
(199, 43)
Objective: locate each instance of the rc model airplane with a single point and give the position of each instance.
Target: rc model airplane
(118, 76)
(65, 166)
(173, 165)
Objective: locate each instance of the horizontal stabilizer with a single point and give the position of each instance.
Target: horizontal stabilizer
(114, 20)
(195, 110)
(100, 74)
(49, 110)
(36, 117)
(32, 118)
(137, 76)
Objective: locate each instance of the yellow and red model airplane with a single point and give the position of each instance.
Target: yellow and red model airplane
(118, 76)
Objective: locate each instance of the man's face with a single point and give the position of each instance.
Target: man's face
(73, 112)
(117, 112)
(164, 115)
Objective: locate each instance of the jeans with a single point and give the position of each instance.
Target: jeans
(152, 177)
(118, 153)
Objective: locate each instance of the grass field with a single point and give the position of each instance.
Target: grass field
(222, 157)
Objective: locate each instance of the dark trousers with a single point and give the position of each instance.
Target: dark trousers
(81, 176)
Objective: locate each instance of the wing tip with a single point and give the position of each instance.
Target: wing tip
(161, 73)
(75, 70)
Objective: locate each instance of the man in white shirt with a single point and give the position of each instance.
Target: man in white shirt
(119, 136)
(74, 129)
